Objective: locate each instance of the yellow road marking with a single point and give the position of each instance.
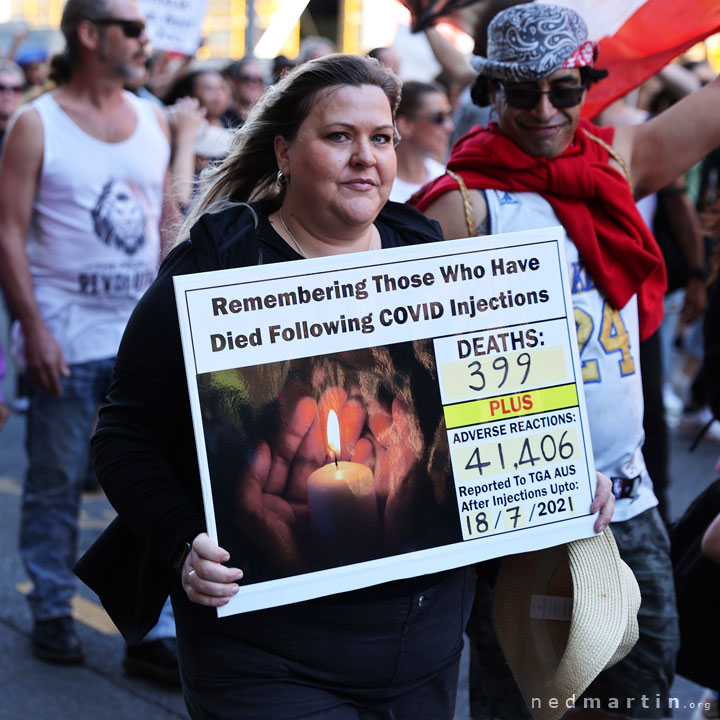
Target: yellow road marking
(85, 611)
(8, 485)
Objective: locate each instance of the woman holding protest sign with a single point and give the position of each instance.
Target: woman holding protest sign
(309, 175)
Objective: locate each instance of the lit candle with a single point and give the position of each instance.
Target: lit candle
(343, 507)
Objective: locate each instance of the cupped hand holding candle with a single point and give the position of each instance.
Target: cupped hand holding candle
(270, 503)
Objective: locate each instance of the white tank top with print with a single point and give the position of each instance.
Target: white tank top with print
(608, 340)
(93, 241)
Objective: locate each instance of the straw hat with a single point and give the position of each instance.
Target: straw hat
(563, 615)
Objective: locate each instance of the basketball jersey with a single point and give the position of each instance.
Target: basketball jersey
(609, 344)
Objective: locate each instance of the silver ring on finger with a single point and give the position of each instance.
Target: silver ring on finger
(191, 573)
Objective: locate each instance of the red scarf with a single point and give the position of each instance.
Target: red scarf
(591, 199)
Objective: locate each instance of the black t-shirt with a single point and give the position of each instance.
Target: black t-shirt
(697, 583)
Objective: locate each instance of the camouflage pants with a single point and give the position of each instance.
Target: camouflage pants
(647, 672)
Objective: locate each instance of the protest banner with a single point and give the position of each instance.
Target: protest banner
(175, 25)
(368, 417)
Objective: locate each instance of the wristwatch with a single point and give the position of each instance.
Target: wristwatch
(179, 559)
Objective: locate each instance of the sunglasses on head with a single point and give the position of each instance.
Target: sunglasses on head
(17, 89)
(130, 28)
(437, 118)
(561, 96)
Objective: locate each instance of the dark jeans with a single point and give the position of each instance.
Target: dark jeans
(58, 447)
(353, 658)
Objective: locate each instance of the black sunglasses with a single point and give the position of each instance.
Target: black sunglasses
(561, 96)
(130, 28)
(16, 89)
(250, 79)
(437, 118)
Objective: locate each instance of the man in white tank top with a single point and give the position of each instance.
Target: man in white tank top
(82, 184)
(541, 165)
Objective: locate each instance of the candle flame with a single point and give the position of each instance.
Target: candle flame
(333, 434)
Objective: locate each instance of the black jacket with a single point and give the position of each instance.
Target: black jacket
(144, 450)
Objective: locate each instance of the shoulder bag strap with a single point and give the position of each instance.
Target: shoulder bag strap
(467, 204)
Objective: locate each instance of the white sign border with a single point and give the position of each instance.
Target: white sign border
(353, 577)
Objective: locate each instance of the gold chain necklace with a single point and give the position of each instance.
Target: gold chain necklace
(297, 244)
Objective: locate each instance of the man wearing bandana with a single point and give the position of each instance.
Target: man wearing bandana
(541, 165)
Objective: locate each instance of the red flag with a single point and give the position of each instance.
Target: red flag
(637, 38)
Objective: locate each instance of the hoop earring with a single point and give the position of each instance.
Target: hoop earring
(281, 179)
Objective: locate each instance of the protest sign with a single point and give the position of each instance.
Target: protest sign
(363, 418)
(175, 25)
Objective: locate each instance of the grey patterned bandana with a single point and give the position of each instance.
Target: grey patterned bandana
(530, 41)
